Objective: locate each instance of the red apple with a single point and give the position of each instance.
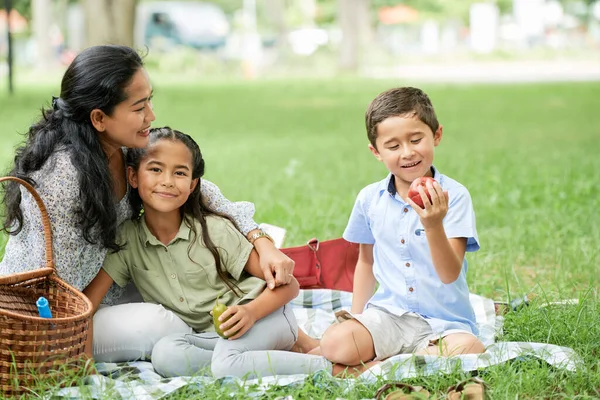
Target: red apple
(413, 190)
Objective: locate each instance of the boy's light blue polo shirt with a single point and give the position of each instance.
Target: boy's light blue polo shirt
(402, 263)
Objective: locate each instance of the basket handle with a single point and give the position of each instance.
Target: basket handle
(45, 221)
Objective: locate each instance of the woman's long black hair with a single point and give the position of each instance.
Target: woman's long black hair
(195, 207)
(96, 79)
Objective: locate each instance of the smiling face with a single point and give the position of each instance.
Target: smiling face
(129, 123)
(164, 178)
(405, 145)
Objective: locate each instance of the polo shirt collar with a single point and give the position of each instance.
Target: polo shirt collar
(148, 238)
(391, 188)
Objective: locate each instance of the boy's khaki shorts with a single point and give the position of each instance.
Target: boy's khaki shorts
(393, 334)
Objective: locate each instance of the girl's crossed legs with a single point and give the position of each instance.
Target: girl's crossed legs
(262, 351)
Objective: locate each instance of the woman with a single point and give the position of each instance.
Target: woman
(75, 158)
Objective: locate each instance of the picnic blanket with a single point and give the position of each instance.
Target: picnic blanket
(315, 310)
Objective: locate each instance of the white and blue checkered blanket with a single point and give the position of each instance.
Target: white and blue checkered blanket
(315, 310)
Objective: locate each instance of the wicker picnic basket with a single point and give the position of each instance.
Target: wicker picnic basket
(32, 348)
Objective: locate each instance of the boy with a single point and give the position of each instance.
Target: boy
(415, 254)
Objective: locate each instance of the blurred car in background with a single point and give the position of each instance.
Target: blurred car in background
(166, 24)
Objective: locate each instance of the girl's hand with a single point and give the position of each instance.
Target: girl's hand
(241, 319)
(435, 210)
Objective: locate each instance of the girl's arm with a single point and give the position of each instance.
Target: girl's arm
(244, 316)
(96, 291)
(276, 266)
(364, 280)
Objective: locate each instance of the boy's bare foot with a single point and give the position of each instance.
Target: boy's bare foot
(305, 343)
(344, 371)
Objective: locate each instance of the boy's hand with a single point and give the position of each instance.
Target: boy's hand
(242, 319)
(435, 210)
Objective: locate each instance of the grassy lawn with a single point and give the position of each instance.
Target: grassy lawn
(527, 153)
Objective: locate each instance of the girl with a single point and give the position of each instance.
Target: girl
(184, 256)
(75, 157)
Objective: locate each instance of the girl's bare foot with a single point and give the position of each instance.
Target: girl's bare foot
(305, 343)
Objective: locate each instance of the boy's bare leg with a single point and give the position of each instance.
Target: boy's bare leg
(454, 344)
(305, 343)
(348, 343)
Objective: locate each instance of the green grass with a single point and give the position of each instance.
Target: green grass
(527, 153)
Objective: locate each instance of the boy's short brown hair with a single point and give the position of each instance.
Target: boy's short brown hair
(399, 102)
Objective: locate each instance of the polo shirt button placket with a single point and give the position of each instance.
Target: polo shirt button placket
(173, 276)
(181, 299)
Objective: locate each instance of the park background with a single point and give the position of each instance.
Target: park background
(275, 92)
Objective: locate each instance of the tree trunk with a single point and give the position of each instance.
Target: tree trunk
(41, 15)
(365, 23)
(109, 21)
(275, 11)
(348, 20)
(60, 15)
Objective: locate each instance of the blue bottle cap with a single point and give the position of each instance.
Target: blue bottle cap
(43, 308)
(42, 302)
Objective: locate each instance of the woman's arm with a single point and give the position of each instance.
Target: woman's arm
(77, 261)
(242, 212)
(277, 267)
(270, 300)
(96, 291)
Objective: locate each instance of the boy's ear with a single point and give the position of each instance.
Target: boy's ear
(375, 152)
(97, 117)
(437, 136)
(194, 183)
(132, 177)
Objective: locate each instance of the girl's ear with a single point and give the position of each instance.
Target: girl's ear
(194, 183)
(97, 117)
(132, 177)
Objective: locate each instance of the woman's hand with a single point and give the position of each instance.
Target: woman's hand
(435, 210)
(241, 319)
(277, 268)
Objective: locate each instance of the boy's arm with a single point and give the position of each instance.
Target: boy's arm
(447, 254)
(244, 316)
(96, 291)
(364, 280)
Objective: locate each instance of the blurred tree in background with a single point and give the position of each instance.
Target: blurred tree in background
(113, 21)
(353, 21)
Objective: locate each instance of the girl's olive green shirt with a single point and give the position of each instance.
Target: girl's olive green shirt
(182, 275)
